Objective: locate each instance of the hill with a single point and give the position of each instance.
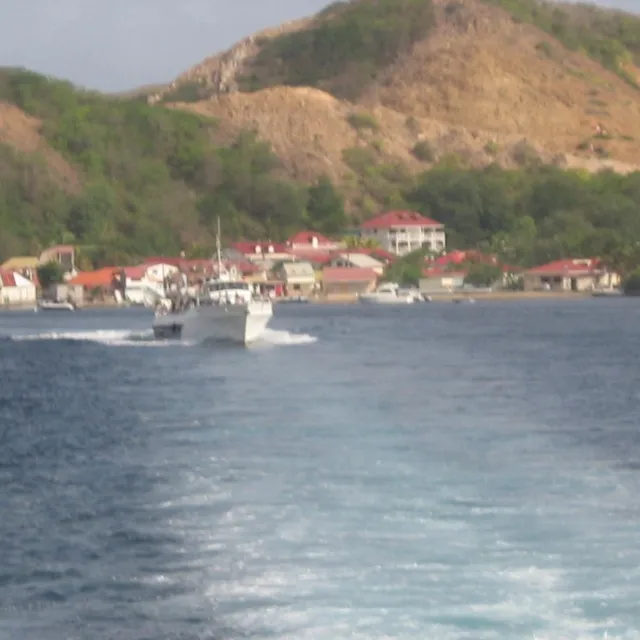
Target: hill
(469, 111)
(125, 179)
(465, 76)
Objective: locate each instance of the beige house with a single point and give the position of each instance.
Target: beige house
(63, 254)
(359, 260)
(572, 274)
(347, 282)
(26, 266)
(299, 278)
(441, 281)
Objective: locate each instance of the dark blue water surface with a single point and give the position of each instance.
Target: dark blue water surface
(429, 472)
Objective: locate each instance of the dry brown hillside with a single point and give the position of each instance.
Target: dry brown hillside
(22, 132)
(478, 85)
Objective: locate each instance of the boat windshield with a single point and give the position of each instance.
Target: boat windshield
(227, 286)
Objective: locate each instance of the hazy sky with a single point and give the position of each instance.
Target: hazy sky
(116, 45)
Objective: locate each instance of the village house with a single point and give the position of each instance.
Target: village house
(100, 284)
(63, 254)
(347, 258)
(299, 278)
(143, 279)
(26, 266)
(347, 281)
(448, 271)
(16, 290)
(65, 292)
(264, 253)
(441, 280)
(401, 232)
(571, 274)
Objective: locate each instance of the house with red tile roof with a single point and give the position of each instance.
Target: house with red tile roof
(260, 251)
(99, 279)
(317, 257)
(348, 258)
(16, 290)
(570, 274)
(401, 232)
(312, 240)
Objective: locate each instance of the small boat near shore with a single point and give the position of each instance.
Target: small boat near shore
(55, 305)
(607, 293)
(388, 293)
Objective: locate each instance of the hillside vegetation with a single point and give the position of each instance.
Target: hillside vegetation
(492, 116)
(610, 37)
(138, 179)
(470, 77)
(343, 49)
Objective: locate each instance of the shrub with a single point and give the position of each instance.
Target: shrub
(424, 151)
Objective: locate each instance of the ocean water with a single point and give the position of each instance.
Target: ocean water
(433, 472)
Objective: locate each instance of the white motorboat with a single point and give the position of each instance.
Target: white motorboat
(223, 308)
(55, 305)
(388, 293)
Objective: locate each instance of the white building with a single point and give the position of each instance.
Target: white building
(145, 281)
(402, 232)
(16, 290)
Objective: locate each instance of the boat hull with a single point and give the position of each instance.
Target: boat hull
(227, 323)
(55, 306)
(373, 299)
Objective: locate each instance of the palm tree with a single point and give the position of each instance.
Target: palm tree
(358, 242)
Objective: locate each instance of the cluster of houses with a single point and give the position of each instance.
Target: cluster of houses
(307, 264)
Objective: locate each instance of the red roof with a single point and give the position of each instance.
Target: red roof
(435, 272)
(458, 257)
(312, 255)
(348, 274)
(399, 219)
(174, 262)
(568, 267)
(60, 248)
(7, 278)
(138, 272)
(306, 238)
(249, 248)
(92, 279)
(378, 252)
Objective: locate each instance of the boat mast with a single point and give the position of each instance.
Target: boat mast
(218, 249)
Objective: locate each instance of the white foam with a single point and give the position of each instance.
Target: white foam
(279, 337)
(108, 337)
(124, 338)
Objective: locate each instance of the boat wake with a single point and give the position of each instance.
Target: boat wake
(107, 337)
(280, 337)
(126, 338)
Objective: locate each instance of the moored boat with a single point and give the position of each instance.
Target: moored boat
(388, 293)
(55, 305)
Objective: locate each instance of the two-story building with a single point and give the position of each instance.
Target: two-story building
(401, 232)
(63, 254)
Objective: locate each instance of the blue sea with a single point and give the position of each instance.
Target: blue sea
(431, 472)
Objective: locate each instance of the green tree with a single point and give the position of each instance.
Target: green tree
(483, 275)
(325, 206)
(49, 274)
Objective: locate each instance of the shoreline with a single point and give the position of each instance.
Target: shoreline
(477, 296)
(496, 296)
